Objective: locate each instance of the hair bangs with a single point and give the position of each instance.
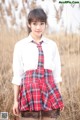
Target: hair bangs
(37, 15)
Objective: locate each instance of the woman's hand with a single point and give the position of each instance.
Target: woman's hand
(16, 109)
(61, 109)
(15, 106)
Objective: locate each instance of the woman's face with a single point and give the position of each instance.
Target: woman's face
(37, 28)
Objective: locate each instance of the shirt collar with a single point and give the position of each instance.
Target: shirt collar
(29, 39)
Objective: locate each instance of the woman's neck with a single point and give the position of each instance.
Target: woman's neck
(36, 39)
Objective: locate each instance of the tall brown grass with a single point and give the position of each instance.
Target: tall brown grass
(69, 47)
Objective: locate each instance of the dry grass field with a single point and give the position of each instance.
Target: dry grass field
(69, 47)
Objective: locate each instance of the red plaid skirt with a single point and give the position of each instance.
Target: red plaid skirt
(39, 92)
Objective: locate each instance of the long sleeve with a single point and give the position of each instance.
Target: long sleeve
(57, 68)
(17, 65)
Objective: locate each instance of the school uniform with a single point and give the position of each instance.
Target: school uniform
(37, 70)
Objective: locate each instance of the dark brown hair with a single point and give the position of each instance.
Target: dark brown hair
(36, 14)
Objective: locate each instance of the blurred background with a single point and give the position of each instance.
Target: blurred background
(63, 28)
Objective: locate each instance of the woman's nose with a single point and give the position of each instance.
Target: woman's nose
(38, 26)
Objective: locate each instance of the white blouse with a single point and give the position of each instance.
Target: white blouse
(25, 58)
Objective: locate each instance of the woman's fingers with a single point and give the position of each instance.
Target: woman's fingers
(15, 109)
(62, 109)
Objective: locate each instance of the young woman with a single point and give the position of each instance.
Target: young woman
(36, 72)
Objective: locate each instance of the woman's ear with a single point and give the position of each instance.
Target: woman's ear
(29, 25)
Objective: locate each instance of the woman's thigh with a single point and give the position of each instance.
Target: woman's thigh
(50, 115)
(30, 115)
(42, 115)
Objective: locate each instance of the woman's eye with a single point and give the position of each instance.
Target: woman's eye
(42, 23)
(34, 23)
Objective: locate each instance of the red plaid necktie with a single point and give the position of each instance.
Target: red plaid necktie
(40, 58)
